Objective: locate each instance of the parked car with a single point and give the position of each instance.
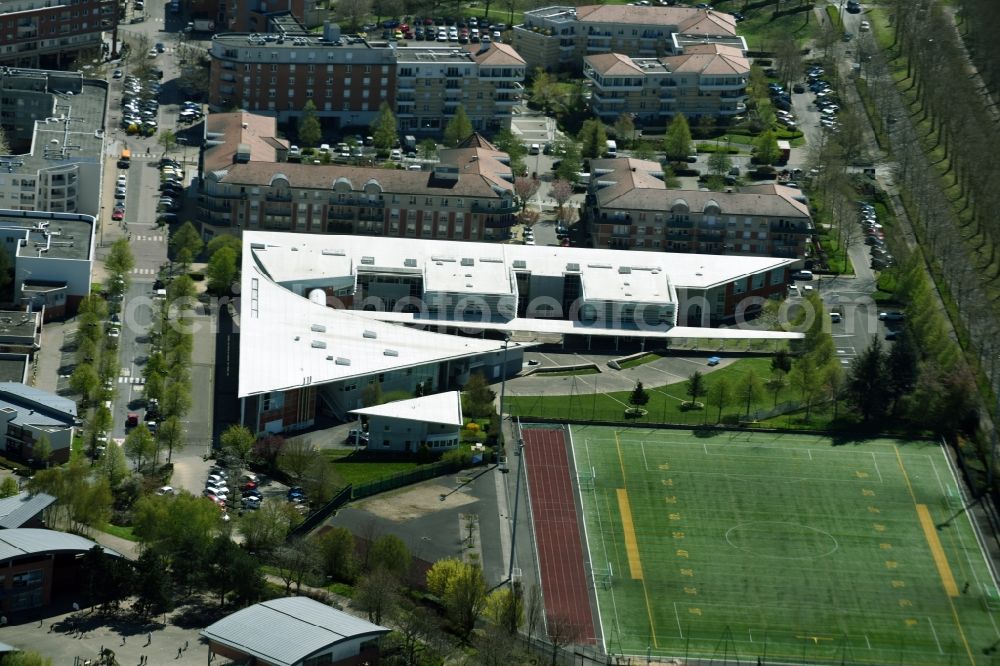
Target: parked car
(892, 316)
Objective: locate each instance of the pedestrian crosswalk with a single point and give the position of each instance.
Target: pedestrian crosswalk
(155, 238)
(143, 271)
(137, 381)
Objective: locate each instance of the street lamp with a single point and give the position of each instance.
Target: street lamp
(503, 375)
(517, 497)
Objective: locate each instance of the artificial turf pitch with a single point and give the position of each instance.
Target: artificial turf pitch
(741, 546)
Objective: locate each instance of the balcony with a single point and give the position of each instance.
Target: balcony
(366, 203)
(278, 197)
(721, 85)
(340, 215)
(228, 65)
(229, 78)
(733, 110)
(494, 210)
(278, 212)
(371, 216)
(500, 222)
(608, 101)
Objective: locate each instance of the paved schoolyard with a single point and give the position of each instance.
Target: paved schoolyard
(83, 634)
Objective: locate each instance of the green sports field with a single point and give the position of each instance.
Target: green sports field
(782, 547)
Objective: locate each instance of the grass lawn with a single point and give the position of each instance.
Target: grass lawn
(569, 373)
(762, 33)
(356, 472)
(120, 532)
(664, 402)
(785, 548)
(641, 360)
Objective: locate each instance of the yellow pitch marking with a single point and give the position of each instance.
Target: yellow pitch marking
(937, 552)
(631, 544)
(815, 639)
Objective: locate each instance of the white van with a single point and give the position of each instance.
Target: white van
(611, 149)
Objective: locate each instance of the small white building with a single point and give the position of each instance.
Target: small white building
(406, 425)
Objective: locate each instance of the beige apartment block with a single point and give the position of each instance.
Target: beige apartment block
(560, 37)
(706, 80)
(630, 207)
(468, 195)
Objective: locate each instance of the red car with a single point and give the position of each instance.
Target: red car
(118, 214)
(249, 485)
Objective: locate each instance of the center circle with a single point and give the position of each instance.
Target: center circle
(786, 541)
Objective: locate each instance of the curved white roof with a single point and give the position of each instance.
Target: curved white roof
(287, 631)
(23, 541)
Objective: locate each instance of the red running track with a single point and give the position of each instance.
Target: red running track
(557, 531)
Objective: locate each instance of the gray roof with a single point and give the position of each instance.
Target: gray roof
(18, 509)
(287, 631)
(23, 541)
(36, 407)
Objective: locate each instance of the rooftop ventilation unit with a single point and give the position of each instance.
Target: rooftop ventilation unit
(318, 344)
(468, 261)
(371, 335)
(318, 328)
(334, 253)
(390, 352)
(368, 260)
(598, 265)
(624, 270)
(491, 260)
(343, 361)
(521, 263)
(573, 267)
(410, 263)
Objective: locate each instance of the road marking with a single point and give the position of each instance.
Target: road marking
(937, 552)
(631, 544)
(143, 271)
(131, 380)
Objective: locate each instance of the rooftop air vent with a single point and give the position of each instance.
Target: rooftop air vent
(624, 270)
(334, 253)
(599, 265)
(520, 263)
(573, 267)
(343, 361)
(390, 352)
(410, 263)
(368, 260)
(318, 328)
(468, 261)
(371, 335)
(318, 344)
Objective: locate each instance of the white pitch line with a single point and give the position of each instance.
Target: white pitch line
(809, 451)
(751, 634)
(678, 616)
(940, 483)
(877, 471)
(645, 462)
(934, 633)
(868, 642)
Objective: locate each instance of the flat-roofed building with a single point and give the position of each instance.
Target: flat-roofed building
(559, 37)
(706, 80)
(27, 414)
(468, 195)
(348, 78)
(485, 79)
(50, 33)
(429, 422)
(630, 207)
(53, 255)
(54, 123)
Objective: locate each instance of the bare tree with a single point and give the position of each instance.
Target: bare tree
(562, 631)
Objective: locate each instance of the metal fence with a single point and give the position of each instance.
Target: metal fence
(406, 478)
(316, 517)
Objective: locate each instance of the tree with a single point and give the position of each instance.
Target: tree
(440, 575)
(113, 466)
(309, 131)
(414, 624)
(176, 400)
(593, 139)
(152, 585)
(225, 240)
(266, 529)
(371, 395)
(677, 141)
(638, 398)
(28, 658)
(695, 387)
(352, 13)
(120, 260)
(42, 449)
(185, 243)
(336, 553)
(390, 554)
(670, 180)
(719, 395)
(781, 361)
(221, 271)
(8, 488)
(237, 441)
(719, 162)
(625, 128)
(766, 148)
(562, 632)
(297, 457)
(478, 397)
(570, 161)
(525, 188)
(750, 390)
(901, 367)
(458, 129)
(170, 434)
(294, 562)
(168, 139)
(376, 594)
(545, 93)
(139, 445)
(4, 144)
(384, 130)
(388, 8)
(84, 381)
(505, 608)
(465, 598)
(867, 382)
(806, 379)
(428, 149)
(561, 190)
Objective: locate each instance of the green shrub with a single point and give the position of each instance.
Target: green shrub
(461, 455)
